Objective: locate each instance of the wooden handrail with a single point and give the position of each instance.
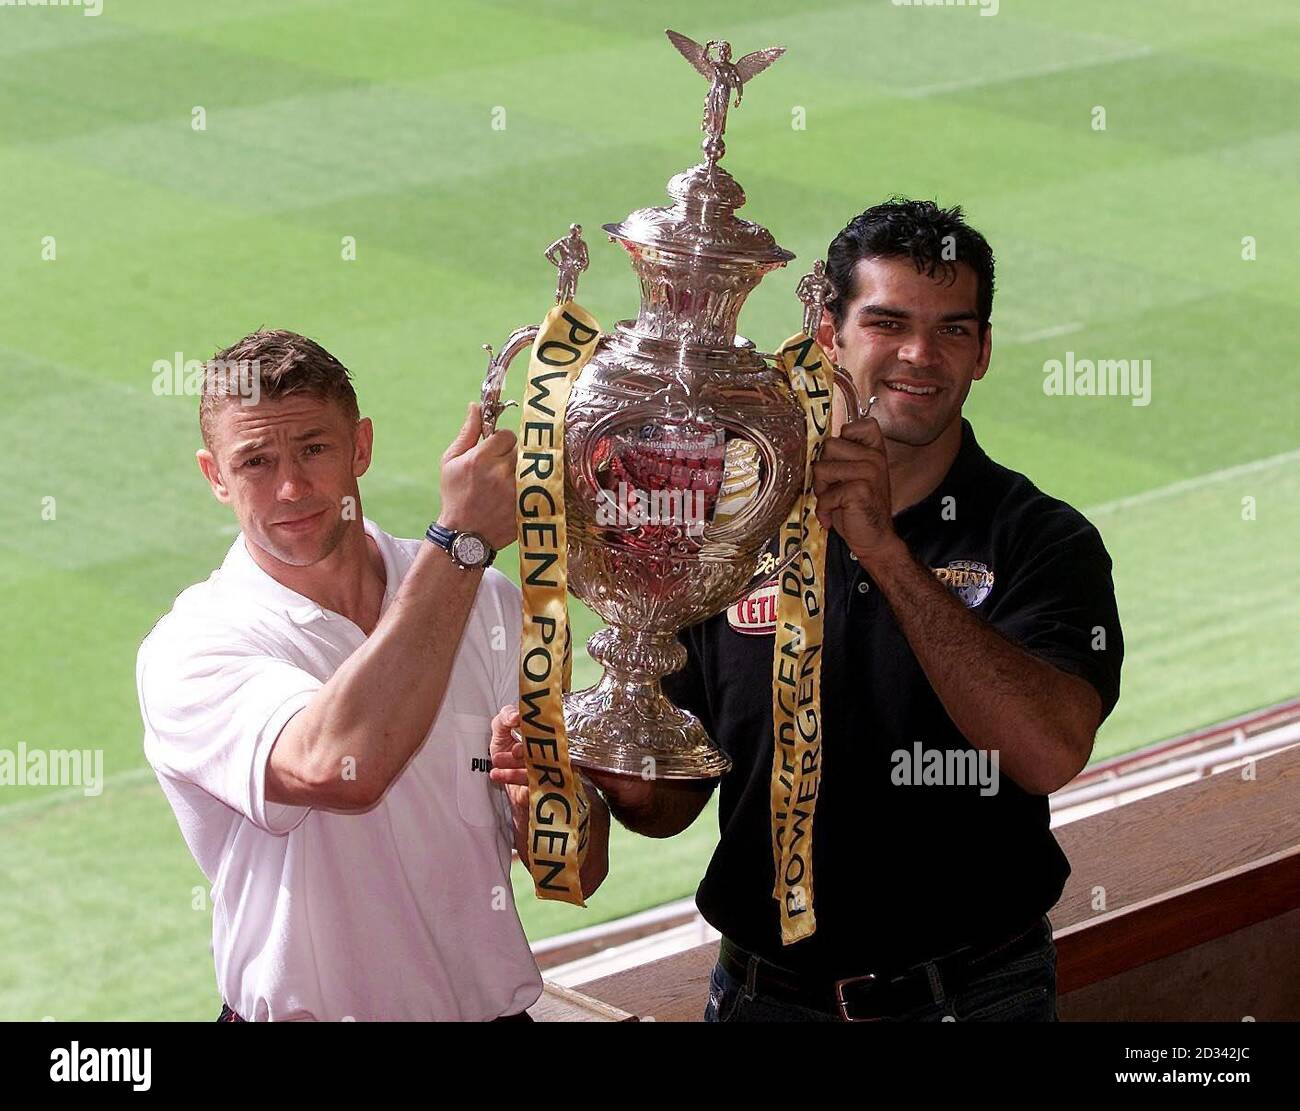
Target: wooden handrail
(1123, 939)
(1164, 842)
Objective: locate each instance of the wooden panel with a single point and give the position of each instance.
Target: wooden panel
(672, 989)
(548, 956)
(561, 1004)
(1177, 920)
(1172, 839)
(1251, 972)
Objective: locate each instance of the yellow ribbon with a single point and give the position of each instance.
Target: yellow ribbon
(797, 658)
(557, 804)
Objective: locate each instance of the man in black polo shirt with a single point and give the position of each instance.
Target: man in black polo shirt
(972, 649)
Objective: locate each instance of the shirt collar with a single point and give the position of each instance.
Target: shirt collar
(252, 583)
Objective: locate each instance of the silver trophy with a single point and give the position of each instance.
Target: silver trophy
(684, 448)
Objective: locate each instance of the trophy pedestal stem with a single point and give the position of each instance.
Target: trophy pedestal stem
(625, 723)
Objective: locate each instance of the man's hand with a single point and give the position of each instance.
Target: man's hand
(851, 481)
(478, 482)
(653, 807)
(624, 792)
(507, 753)
(510, 770)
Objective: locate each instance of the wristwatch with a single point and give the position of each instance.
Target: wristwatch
(468, 550)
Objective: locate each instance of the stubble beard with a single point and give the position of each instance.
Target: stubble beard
(294, 557)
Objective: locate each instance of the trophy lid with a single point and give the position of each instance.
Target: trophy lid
(702, 222)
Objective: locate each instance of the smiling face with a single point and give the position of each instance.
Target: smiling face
(286, 466)
(914, 342)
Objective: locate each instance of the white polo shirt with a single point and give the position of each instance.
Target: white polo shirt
(401, 912)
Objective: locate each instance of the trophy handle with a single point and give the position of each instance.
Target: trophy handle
(495, 378)
(848, 393)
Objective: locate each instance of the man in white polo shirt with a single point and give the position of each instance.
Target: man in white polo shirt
(318, 712)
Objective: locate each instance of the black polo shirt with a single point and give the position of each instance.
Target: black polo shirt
(902, 872)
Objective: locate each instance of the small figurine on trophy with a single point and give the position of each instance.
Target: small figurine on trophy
(724, 79)
(568, 254)
(814, 290)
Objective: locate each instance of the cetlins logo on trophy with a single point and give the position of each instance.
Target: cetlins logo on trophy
(671, 404)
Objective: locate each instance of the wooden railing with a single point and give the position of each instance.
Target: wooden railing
(1110, 944)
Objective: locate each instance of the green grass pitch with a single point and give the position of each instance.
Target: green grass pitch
(375, 120)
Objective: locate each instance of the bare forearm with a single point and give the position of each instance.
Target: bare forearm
(656, 808)
(378, 707)
(1001, 698)
(596, 864)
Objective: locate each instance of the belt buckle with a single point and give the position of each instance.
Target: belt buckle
(842, 1004)
(900, 993)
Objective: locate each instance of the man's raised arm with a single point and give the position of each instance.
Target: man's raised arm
(378, 707)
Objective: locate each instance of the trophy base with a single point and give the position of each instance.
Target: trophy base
(669, 744)
(625, 724)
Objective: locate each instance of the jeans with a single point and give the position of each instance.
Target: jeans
(1020, 989)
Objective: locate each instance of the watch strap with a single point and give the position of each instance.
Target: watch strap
(445, 538)
(440, 536)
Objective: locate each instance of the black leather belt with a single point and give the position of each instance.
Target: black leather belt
(872, 995)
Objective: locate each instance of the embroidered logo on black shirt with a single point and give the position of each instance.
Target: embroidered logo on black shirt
(970, 581)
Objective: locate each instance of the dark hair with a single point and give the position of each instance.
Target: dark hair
(285, 363)
(934, 238)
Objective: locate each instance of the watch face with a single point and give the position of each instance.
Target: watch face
(470, 550)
